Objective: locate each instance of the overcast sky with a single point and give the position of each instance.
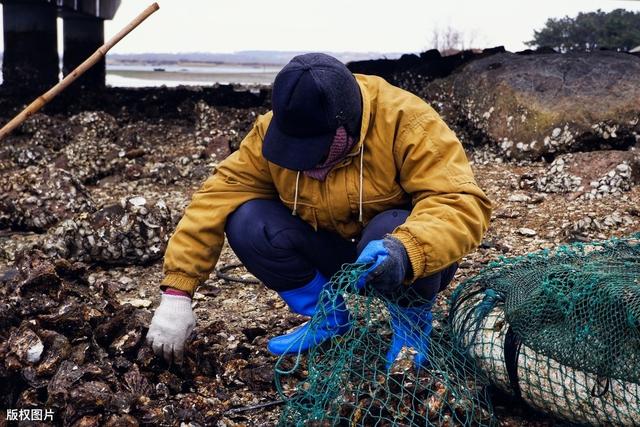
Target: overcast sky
(338, 25)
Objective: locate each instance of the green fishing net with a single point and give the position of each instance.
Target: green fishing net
(346, 381)
(558, 329)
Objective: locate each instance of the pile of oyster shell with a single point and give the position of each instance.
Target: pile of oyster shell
(134, 231)
(94, 151)
(70, 346)
(38, 197)
(591, 175)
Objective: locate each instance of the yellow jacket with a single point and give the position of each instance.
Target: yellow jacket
(406, 154)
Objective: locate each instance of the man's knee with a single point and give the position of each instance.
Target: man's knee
(265, 237)
(261, 226)
(245, 227)
(239, 223)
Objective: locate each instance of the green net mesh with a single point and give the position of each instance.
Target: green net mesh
(346, 381)
(559, 329)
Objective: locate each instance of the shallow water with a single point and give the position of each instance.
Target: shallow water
(172, 75)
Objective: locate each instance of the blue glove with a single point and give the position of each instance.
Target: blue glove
(390, 264)
(411, 328)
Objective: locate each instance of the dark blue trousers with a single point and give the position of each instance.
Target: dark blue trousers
(284, 252)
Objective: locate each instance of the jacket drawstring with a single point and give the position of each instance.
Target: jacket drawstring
(361, 188)
(295, 198)
(361, 178)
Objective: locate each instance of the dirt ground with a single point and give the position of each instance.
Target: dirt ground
(240, 317)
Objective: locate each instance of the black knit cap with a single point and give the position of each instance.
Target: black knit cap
(313, 95)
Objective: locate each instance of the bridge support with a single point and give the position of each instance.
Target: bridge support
(30, 58)
(82, 36)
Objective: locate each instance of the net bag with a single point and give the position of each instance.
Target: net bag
(560, 329)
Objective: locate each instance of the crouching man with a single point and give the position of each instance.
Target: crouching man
(345, 168)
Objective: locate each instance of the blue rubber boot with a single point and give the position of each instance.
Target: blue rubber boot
(411, 328)
(304, 300)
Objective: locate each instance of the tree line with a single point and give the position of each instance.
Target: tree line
(617, 30)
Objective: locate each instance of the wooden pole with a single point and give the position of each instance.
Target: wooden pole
(42, 100)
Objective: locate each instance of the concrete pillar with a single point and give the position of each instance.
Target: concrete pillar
(82, 36)
(30, 45)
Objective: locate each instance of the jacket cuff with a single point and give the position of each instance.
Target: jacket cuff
(414, 252)
(181, 282)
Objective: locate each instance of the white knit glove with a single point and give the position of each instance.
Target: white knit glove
(172, 323)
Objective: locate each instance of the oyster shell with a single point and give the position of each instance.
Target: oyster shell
(41, 196)
(134, 231)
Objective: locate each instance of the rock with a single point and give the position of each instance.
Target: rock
(535, 105)
(138, 302)
(527, 232)
(505, 213)
(519, 198)
(410, 70)
(137, 201)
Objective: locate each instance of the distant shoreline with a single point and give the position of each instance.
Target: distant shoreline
(193, 78)
(191, 63)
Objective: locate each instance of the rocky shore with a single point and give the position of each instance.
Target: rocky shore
(93, 186)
